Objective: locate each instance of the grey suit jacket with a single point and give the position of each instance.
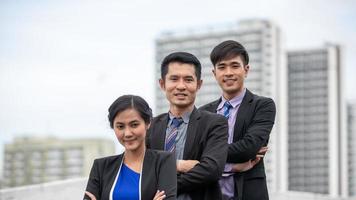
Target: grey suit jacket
(206, 142)
(158, 173)
(254, 122)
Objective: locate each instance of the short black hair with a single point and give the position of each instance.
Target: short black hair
(181, 57)
(228, 49)
(130, 101)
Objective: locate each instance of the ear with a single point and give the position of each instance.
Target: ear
(199, 83)
(214, 72)
(162, 84)
(247, 69)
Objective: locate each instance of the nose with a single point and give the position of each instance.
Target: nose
(181, 85)
(127, 132)
(228, 71)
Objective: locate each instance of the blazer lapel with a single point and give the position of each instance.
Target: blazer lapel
(244, 110)
(191, 133)
(148, 163)
(213, 106)
(110, 175)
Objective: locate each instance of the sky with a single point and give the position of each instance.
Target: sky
(62, 63)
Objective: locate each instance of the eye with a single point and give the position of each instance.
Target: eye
(120, 126)
(173, 78)
(135, 124)
(189, 80)
(235, 66)
(221, 67)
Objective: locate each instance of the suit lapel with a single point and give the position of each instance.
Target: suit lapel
(191, 133)
(242, 113)
(110, 175)
(213, 106)
(148, 163)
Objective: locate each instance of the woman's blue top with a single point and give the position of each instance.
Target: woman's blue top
(127, 185)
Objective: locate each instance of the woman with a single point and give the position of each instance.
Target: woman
(138, 173)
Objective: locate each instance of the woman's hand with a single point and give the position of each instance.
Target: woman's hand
(159, 195)
(90, 195)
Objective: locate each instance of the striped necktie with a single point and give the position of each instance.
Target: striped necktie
(170, 144)
(227, 107)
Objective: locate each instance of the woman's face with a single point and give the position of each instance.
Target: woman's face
(130, 129)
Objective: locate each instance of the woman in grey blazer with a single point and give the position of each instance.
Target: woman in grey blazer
(138, 173)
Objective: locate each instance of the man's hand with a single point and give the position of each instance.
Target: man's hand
(261, 153)
(242, 167)
(185, 165)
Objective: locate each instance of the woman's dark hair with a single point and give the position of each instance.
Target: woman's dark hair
(130, 101)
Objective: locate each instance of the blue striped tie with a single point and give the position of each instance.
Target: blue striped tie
(227, 107)
(170, 144)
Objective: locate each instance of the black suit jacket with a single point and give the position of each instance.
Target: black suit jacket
(206, 142)
(158, 173)
(254, 122)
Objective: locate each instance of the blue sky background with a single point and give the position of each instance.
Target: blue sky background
(62, 63)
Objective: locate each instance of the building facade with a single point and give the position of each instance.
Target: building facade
(351, 133)
(262, 40)
(38, 160)
(317, 140)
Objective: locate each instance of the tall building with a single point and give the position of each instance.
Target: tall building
(38, 160)
(317, 137)
(351, 132)
(266, 76)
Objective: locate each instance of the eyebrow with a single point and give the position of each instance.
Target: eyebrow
(231, 63)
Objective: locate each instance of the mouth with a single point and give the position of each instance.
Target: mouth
(180, 95)
(129, 140)
(229, 79)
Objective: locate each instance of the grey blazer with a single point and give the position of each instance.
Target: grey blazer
(158, 173)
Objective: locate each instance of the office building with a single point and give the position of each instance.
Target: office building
(37, 160)
(317, 140)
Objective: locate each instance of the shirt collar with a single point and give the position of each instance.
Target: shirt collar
(234, 101)
(185, 116)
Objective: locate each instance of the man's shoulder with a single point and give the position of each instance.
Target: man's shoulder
(210, 116)
(160, 117)
(259, 98)
(211, 107)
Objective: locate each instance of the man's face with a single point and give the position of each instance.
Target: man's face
(180, 85)
(231, 74)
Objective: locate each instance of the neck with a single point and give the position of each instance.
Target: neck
(179, 111)
(229, 96)
(135, 156)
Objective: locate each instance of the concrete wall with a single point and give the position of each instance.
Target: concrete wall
(73, 189)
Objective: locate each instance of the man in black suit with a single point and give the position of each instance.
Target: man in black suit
(250, 119)
(197, 137)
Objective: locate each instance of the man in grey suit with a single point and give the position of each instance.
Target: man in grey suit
(197, 137)
(250, 119)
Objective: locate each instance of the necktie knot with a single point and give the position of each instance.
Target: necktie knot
(227, 107)
(176, 122)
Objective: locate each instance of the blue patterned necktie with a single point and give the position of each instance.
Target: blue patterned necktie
(227, 107)
(170, 144)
